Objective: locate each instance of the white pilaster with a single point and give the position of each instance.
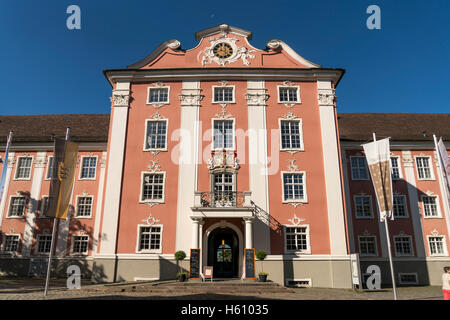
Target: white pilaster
(115, 160)
(331, 161)
(98, 208)
(195, 232)
(248, 232)
(257, 159)
(188, 160)
(408, 163)
(10, 163)
(38, 173)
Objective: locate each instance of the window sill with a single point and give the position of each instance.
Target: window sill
(82, 217)
(22, 179)
(88, 179)
(155, 150)
(15, 217)
(149, 252)
(433, 217)
(292, 150)
(295, 202)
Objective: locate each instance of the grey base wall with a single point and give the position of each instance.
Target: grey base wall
(428, 272)
(323, 273)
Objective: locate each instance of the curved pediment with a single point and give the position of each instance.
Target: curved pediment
(223, 46)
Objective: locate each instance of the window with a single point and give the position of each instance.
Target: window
(158, 95)
(23, 170)
(88, 167)
(291, 135)
(288, 95)
(44, 243)
(423, 168)
(437, 245)
(367, 246)
(80, 244)
(297, 239)
(403, 246)
(223, 189)
(84, 206)
(49, 168)
(150, 238)
(400, 207)
(294, 187)
(223, 94)
(430, 207)
(359, 168)
(363, 206)
(395, 167)
(408, 278)
(223, 134)
(153, 187)
(11, 243)
(17, 207)
(44, 206)
(156, 135)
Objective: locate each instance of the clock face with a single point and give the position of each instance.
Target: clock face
(223, 50)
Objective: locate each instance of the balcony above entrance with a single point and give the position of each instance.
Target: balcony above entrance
(223, 204)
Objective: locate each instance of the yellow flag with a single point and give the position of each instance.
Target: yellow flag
(66, 174)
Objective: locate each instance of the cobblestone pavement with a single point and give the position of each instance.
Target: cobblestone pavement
(33, 289)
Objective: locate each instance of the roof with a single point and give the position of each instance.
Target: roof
(352, 126)
(397, 126)
(41, 128)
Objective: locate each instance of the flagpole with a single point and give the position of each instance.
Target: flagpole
(389, 244)
(50, 256)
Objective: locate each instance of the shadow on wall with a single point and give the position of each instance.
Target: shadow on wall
(29, 262)
(168, 269)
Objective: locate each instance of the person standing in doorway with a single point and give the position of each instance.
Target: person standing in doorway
(446, 283)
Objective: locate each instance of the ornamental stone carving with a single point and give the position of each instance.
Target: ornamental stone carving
(273, 44)
(150, 220)
(223, 159)
(207, 56)
(174, 44)
(296, 220)
(120, 100)
(191, 97)
(326, 97)
(154, 166)
(256, 96)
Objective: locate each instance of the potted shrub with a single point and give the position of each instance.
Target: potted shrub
(261, 255)
(182, 276)
(179, 256)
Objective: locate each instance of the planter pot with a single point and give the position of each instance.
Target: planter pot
(263, 277)
(182, 278)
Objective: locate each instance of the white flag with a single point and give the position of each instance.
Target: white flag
(445, 164)
(379, 160)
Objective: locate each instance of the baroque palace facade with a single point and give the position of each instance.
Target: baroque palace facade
(224, 147)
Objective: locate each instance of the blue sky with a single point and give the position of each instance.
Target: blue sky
(48, 69)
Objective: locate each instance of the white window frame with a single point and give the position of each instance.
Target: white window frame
(375, 246)
(367, 169)
(430, 163)
(400, 174)
(398, 254)
(233, 87)
(158, 104)
(138, 240)
(142, 188)
(48, 167)
(438, 207)
(233, 148)
(4, 242)
(8, 216)
(370, 203)
(444, 246)
(405, 204)
(36, 250)
(400, 274)
(283, 86)
(76, 208)
(305, 193)
(17, 167)
(300, 127)
(308, 239)
(72, 245)
(81, 167)
(145, 137)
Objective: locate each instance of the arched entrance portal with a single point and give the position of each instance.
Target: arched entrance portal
(223, 252)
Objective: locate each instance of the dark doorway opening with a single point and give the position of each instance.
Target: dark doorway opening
(223, 253)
